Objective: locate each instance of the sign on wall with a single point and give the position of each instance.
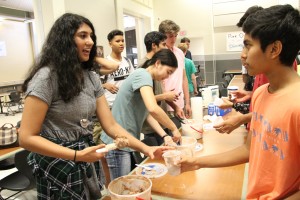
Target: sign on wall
(2, 48)
(234, 41)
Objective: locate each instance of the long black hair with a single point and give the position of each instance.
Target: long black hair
(165, 56)
(60, 53)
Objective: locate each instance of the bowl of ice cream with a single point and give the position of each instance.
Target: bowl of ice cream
(130, 187)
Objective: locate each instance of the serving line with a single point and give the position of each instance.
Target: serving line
(206, 183)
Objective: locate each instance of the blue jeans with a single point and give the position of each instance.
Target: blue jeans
(119, 163)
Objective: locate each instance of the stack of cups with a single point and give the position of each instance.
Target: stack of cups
(214, 91)
(197, 108)
(207, 96)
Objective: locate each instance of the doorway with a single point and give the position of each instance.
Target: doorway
(130, 39)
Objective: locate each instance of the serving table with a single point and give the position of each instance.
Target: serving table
(227, 183)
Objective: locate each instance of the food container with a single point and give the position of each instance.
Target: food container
(192, 128)
(231, 89)
(187, 146)
(130, 187)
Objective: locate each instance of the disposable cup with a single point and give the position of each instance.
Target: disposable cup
(172, 157)
(230, 89)
(187, 146)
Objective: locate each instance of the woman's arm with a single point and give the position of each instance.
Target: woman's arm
(29, 135)
(159, 130)
(154, 109)
(157, 113)
(113, 129)
(107, 66)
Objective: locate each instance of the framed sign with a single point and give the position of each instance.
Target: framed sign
(234, 41)
(100, 52)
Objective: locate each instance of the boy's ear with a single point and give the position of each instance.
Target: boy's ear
(276, 48)
(153, 46)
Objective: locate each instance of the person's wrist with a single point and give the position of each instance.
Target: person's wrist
(164, 136)
(75, 154)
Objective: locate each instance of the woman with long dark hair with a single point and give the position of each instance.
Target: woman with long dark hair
(62, 94)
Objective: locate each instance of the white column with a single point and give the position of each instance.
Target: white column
(45, 14)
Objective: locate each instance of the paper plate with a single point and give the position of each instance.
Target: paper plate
(158, 170)
(198, 147)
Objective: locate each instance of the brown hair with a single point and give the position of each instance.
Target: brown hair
(183, 47)
(168, 26)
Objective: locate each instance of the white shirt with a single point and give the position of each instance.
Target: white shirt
(117, 77)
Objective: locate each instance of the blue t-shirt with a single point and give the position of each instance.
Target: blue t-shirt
(129, 109)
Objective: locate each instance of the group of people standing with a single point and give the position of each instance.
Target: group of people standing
(152, 95)
(63, 94)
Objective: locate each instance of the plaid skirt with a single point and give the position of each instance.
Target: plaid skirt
(64, 179)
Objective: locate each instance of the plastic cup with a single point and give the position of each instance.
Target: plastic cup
(172, 157)
(230, 89)
(187, 146)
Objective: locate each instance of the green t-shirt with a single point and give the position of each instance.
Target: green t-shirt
(129, 109)
(189, 70)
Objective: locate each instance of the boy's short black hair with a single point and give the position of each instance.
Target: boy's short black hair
(113, 33)
(249, 11)
(153, 37)
(276, 23)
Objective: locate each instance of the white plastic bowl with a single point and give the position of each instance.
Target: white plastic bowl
(139, 184)
(188, 129)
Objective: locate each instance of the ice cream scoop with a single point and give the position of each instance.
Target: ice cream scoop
(119, 142)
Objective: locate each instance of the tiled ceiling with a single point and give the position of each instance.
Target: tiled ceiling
(24, 5)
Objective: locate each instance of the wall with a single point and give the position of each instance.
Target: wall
(105, 15)
(19, 54)
(102, 15)
(226, 14)
(197, 20)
